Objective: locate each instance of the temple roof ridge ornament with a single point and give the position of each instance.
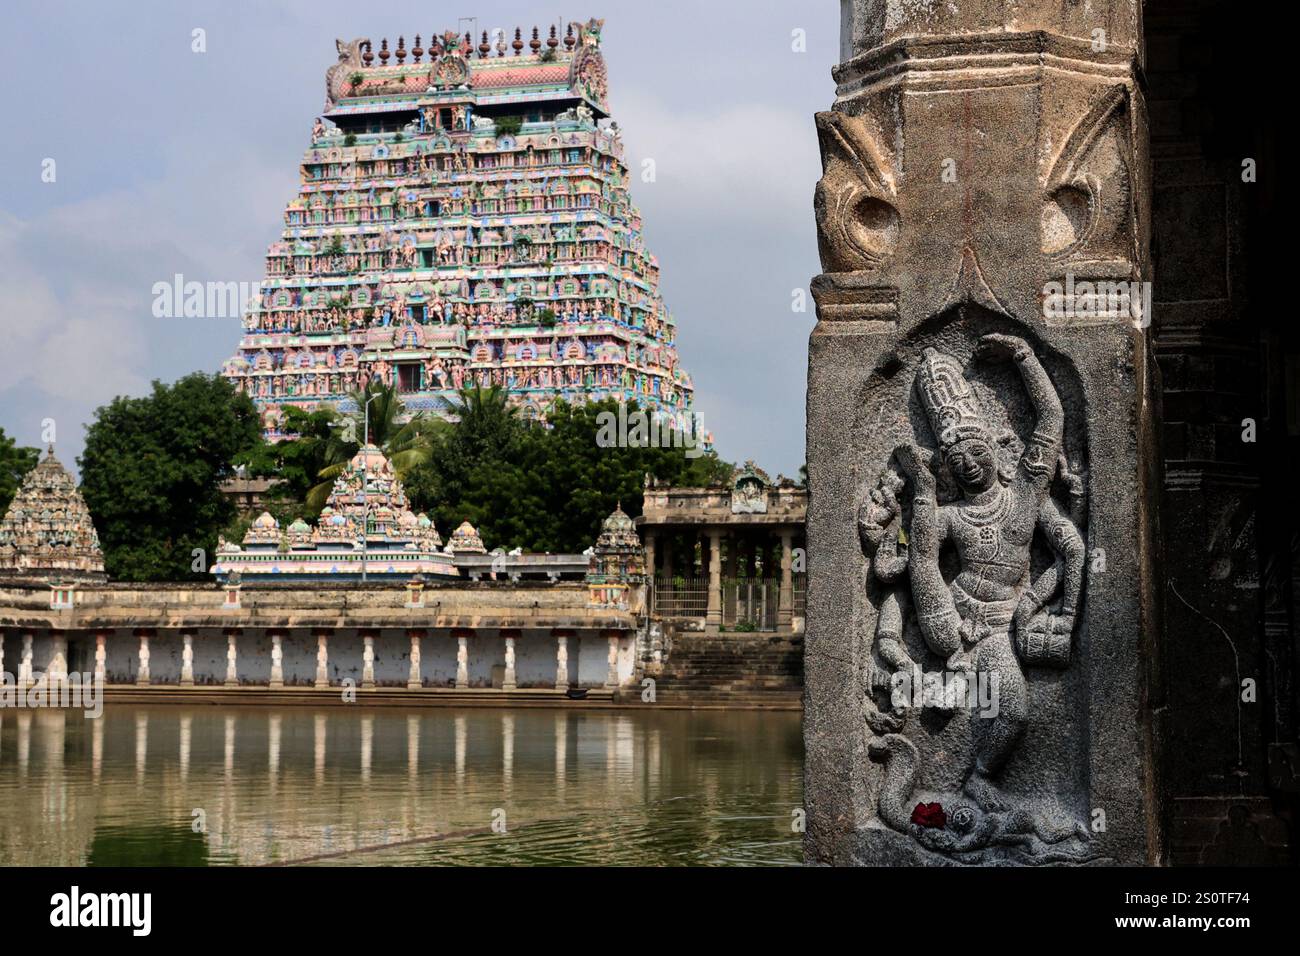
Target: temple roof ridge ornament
(466, 540)
(749, 486)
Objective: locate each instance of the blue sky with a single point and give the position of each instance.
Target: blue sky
(172, 161)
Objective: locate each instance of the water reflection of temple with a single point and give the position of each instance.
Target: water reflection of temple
(248, 787)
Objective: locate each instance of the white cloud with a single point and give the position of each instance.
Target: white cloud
(746, 162)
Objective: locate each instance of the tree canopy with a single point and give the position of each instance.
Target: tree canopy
(15, 462)
(541, 487)
(153, 467)
(326, 440)
(151, 474)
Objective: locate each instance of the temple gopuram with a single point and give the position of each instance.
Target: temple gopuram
(48, 531)
(368, 495)
(464, 218)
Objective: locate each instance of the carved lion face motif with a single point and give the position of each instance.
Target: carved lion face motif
(973, 463)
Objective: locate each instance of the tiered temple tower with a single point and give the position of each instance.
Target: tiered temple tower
(367, 495)
(47, 531)
(617, 563)
(463, 218)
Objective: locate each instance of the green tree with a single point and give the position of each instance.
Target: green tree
(462, 477)
(328, 440)
(152, 471)
(295, 465)
(15, 462)
(585, 479)
(542, 487)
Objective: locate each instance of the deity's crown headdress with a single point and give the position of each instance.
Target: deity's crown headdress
(949, 401)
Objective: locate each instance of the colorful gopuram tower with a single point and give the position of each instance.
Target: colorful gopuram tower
(463, 218)
(366, 523)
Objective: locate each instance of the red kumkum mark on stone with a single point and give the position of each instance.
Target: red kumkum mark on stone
(929, 815)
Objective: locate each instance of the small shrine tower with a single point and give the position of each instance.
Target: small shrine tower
(617, 563)
(47, 531)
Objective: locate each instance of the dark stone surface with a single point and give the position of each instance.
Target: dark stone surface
(916, 259)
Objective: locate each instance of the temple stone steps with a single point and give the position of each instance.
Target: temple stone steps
(729, 700)
(744, 672)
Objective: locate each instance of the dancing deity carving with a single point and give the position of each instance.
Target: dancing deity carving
(989, 615)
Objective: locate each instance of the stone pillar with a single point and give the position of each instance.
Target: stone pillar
(713, 616)
(462, 636)
(648, 539)
(142, 675)
(509, 635)
(413, 680)
(322, 658)
(561, 658)
(611, 676)
(232, 652)
(785, 599)
(971, 201)
(187, 658)
(25, 670)
(649, 543)
(368, 660)
(101, 657)
(277, 659)
(57, 669)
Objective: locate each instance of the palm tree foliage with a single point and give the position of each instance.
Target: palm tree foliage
(404, 439)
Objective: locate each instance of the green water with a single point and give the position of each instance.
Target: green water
(341, 786)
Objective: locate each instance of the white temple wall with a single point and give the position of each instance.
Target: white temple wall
(535, 659)
(626, 658)
(535, 656)
(122, 657)
(483, 650)
(42, 647)
(592, 660)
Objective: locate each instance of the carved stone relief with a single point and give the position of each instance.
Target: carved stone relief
(974, 529)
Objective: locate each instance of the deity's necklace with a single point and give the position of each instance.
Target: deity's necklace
(992, 513)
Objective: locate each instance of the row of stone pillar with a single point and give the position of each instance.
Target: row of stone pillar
(713, 611)
(58, 666)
